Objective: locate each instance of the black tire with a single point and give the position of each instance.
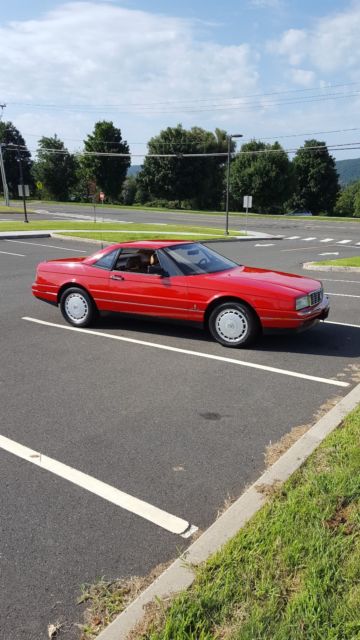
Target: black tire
(234, 324)
(77, 307)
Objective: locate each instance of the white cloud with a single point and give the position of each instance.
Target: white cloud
(93, 53)
(332, 45)
(303, 77)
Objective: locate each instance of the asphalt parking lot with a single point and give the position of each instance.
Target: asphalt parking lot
(179, 431)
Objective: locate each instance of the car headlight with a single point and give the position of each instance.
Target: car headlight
(301, 303)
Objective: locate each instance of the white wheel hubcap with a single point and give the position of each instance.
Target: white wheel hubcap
(231, 325)
(76, 307)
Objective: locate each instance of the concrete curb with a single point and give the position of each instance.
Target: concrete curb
(6, 235)
(178, 576)
(12, 235)
(312, 266)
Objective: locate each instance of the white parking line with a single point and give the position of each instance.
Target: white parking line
(8, 253)
(337, 280)
(198, 354)
(342, 295)
(343, 324)
(51, 246)
(143, 509)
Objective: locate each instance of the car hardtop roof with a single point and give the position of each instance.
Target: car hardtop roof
(150, 244)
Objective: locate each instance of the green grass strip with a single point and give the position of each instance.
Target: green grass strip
(112, 231)
(293, 573)
(342, 262)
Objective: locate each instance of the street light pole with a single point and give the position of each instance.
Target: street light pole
(2, 167)
(229, 138)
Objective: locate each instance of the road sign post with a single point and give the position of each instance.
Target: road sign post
(247, 204)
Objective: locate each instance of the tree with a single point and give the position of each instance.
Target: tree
(197, 180)
(108, 172)
(9, 135)
(348, 202)
(55, 168)
(317, 183)
(263, 171)
(128, 191)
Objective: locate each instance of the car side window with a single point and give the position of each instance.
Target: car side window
(134, 260)
(107, 261)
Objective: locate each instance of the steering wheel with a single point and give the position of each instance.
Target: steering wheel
(202, 263)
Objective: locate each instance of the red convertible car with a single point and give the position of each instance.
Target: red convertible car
(182, 281)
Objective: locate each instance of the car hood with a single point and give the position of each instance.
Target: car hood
(265, 278)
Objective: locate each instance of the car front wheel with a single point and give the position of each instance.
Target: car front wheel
(77, 307)
(233, 324)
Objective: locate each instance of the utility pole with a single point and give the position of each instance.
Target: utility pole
(229, 138)
(2, 167)
(22, 181)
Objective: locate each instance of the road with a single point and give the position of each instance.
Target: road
(181, 432)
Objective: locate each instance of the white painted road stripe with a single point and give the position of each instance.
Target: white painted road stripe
(343, 242)
(343, 324)
(51, 246)
(199, 354)
(263, 245)
(342, 295)
(327, 240)
(308, 239)
(292, 238)
(337, 280)
(111, 494)
(8, 253)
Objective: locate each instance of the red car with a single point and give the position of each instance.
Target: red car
(182, 281)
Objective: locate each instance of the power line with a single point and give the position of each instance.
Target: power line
(185, 101)
(334, 147)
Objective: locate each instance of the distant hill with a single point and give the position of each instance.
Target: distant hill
(134, 169)
(348, 170)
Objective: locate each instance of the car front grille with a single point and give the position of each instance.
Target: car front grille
(316, 297)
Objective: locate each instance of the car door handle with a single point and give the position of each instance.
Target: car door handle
(114, 277)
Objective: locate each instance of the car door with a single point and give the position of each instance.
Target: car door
(135, 289)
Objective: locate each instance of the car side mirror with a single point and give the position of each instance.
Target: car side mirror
(157, 270)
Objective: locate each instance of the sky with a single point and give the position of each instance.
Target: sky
(285, 70)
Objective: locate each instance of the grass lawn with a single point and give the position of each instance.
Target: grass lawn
(115, 232)
(342, 262)
(293, 573)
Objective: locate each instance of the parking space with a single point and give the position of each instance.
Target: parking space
(135, 410)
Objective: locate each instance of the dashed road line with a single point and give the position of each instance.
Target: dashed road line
(344, 241)
(337, 280)
(140, 508)
(342, 295)
(199, 354)
(292, 238)
(51, 246)
(8, 253)
(308, 239)
(343, 324)
(327, 240)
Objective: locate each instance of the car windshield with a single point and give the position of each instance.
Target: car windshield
(194, 259)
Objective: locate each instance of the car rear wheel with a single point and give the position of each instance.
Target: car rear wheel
(233, 324)
(77, 307)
